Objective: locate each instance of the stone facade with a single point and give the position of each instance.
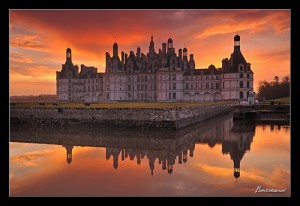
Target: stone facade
(157, 76)
(171, 118)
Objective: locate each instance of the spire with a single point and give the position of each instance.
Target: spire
(151, 47)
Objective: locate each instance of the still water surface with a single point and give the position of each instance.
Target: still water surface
(218, 157)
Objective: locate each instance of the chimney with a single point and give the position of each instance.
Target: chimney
(180, 54)
(122, 57)
(126, 56)
(164, 48)
(138, 52)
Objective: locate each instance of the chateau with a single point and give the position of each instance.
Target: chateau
(156, 76)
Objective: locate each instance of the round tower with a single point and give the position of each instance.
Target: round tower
(69, 54)
(237, 41)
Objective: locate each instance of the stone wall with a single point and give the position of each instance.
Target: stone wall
(171, 118)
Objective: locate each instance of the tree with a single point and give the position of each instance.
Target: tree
(275, 89)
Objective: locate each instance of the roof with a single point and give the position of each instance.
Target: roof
(201, 72)
(231, 65)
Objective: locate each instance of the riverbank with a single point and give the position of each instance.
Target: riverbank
(172, 117)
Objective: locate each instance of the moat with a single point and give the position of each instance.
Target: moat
(217, 157)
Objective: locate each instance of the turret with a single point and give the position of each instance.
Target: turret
(237, 40)
(170, 45)
(68, 54)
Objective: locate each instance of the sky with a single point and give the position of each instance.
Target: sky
(39, 39)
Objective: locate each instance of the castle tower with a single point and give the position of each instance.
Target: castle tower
(170, 45)
(69, 149)
(68, 54)
(237, 40)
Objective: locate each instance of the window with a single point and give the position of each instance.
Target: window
(174, 76)
(197, 78)
(169, 85)
(173, 68)
(211, 85)
(247, 94)
(138, 87)
(241, 68)
(129, 87)
(174, 95)
(241, 84)
(173, 61)
(174, 85)
(223, 85)
(145, 78)
(142, 79)
(217, 77)
(169, 95)
(197, 86)
(201, 87)
(207, 77)
(207, 86)
(169, 77)
(217, 86)
(142, 87)
(247, 84)
(138, 79)
(187, 86)
(146, 87)
(248, 75)
(241, 75)
(192, 86)
(241, 95)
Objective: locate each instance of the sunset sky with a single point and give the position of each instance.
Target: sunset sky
(39, 38)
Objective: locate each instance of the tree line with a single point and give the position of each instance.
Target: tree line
(274, 89)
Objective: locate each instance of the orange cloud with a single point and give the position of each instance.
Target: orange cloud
(40, 38)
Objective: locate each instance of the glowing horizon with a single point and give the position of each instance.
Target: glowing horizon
(39, 38)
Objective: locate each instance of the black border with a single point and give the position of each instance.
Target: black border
(4, 129)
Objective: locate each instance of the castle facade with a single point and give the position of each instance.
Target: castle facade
(156, 76)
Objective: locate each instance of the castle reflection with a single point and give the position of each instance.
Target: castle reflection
(166, 147)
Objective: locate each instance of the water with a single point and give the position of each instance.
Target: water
(218, 157)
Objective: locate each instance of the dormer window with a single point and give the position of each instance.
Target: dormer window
(241, 67)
